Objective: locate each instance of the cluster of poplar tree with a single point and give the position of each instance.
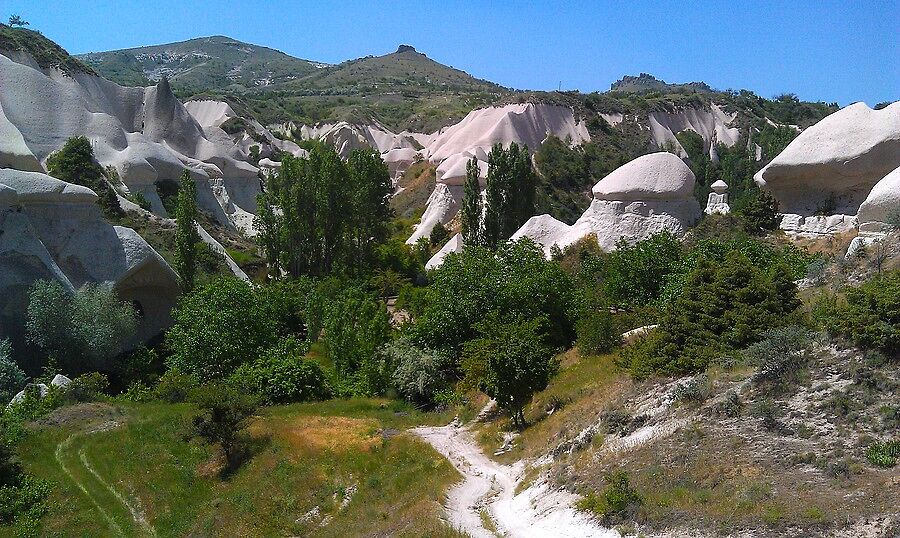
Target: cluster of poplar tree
(508, 200)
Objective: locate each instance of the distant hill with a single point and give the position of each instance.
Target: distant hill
(404, 89)
(646, 82)
(202, 64)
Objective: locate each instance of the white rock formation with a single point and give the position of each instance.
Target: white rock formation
(454, 245)
(834, 164)
(713, 125)
(442, 206)
(717, 201)
(882, 203)
(54, 230)
(144, 133)
(648, 195)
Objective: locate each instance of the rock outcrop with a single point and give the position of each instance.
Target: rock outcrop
(144, 133)
(832, 166)
(651, 194)
(454, 245)
(882, 205)
(54, 230)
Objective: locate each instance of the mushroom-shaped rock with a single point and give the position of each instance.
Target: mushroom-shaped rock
(454, 245)
(657, 176)
(543, 230)
(836, 162)
(719, 186)
(883, 202)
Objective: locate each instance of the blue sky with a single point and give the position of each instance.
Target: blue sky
(821, 50)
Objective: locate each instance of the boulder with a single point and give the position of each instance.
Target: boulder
(882, 203)
(833, 165)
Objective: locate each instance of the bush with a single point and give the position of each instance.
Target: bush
(760, 214)
(871, 315)
(618, 502)
(439, 234)
(780, 354)
(420, 373)
(175, 386)
(597, 333)
(81, 332)
(12, 378)
(86, 388)
(721, 307)
(218, 327)
(282, 375)
(23, 504)
(884, 454)
(75, 163)
(695, 391)
(224, 413)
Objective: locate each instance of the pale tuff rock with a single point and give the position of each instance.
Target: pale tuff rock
(59, 234)
(144, 133)
(454, 245)
(717, 201)
(648, 195)
(712, 125)
(442, 206)
(817, 226)
(882, 203)
(834, 164)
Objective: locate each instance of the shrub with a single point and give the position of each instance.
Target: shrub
(23, 503)
(420, 373)
(721, 307)
(282, 375)
(694, 391)
(635, 275)
(514, 360)
(439, 234)
(884, 454)
(871, 315)
(780, 354)
(86, 388)
(75, 163)
(217, 328)
(768, 413)
(175, 386)
(618, 502)
(730, 406)
(760, 214)
(597, 332)
(12, 378)
(82, 332)
(223, 413)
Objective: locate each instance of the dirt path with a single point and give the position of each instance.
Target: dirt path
(485, 503)
(68, 457)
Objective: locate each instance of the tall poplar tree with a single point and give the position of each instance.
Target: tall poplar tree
(186, 236)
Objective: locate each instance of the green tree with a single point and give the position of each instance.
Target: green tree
(75, 163)
(760, 214)
(470, 213)
(516, 281)
(186, 235)
(82, 331)
(514, 360)
(15, 20)
(370, 190)
(224, 413)
(356, 326)
(12, 378)
(439, 235)
(218, 327)
(509, 195)
(268, 227)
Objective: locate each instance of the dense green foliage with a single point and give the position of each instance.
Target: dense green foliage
(75, 163)
(186, 235)
(510, 361)
(356, 326)
(619, 501)
(509, 197)
(870, 317)
(721, 306)
(283, 375)
(419, 373)
(514, 282)
(330, 214)
(81, 331)
(218, 327)
(12, 378)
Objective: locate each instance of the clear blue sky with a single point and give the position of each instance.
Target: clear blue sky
(821, 50)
